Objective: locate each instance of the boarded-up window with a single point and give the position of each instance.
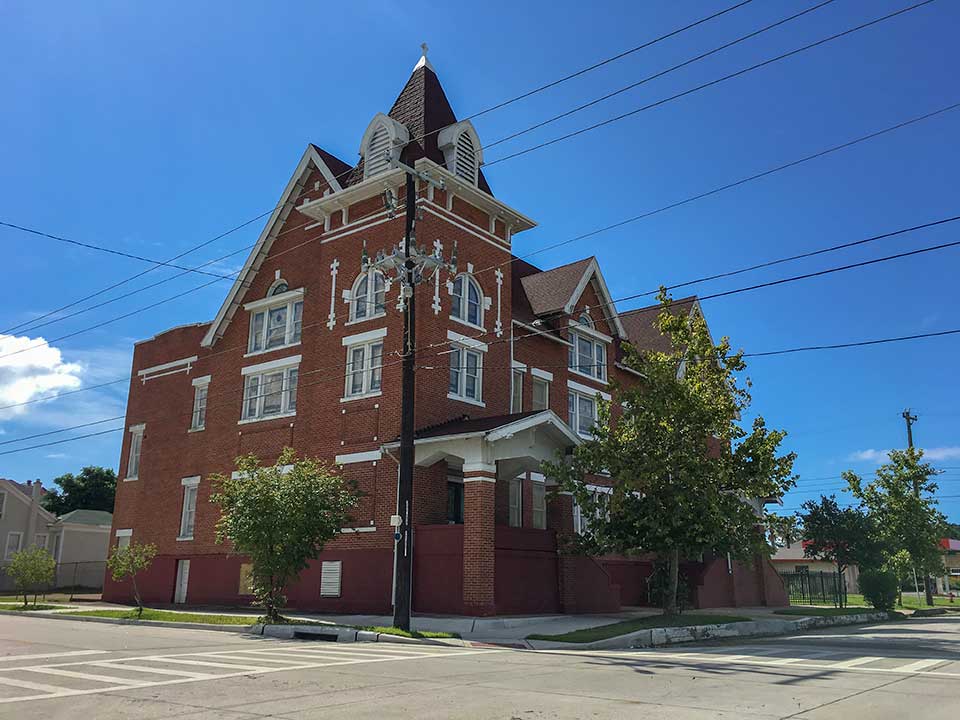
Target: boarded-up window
(246, 579)
(330, 578)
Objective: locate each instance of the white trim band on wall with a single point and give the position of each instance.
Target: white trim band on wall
(283, 362)
(587, 390)
(358, 457)
(364, 337)
(204, 380)
(542, 374)
(466, 341)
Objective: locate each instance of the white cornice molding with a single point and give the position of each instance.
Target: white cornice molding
(275, 300)
(277, 364)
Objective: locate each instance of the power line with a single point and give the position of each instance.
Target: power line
(655, 76)
(711, 83)
(862, 343)
(60, 442)
(56, 432)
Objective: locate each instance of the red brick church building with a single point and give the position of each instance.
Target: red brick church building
(304, 352)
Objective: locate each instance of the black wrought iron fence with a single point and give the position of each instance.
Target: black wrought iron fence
(73, 577)
(816, 588)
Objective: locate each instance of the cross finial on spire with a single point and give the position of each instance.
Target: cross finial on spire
(423, 58)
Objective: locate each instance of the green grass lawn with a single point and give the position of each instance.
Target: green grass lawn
(405, 633)
(169, 616)
(910, 601)
(20, 606)
(602, 632)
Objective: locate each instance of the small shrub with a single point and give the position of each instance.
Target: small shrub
(32, 570)
(879, 588)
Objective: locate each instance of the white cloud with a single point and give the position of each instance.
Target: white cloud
(933, 454)
(56, 456)
(35, 372)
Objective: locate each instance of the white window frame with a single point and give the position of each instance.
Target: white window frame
(516, 390)
(461, 313)
(581, 522)
(538, 378)
(515, 502)
(201, 390)
(369, 374)
(459, 363)
(135, 453)
(46, 539)
(596, 368)
(358, 301)
(573, 415)
(124, 537)
(7, 554)
(538, 504)
(288, 367)
(191, 489)
(292, 300)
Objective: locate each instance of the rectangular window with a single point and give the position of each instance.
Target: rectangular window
(40, 540)
(189, 512)
(516, 392)
(123, 538)
(271, 393)
(276, 327)
(364, 369)
(199, 420)
(455, 502)
(587, 356)
(516, 502)
(466, 374)
(133, 459)
(582, 412)
(539, 505)
(56, 547)
(14, 541)
(581, 518)
(541, 394)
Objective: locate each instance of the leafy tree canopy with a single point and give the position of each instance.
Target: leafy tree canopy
(844, 535)
(683, 467)
(92, 489)
(280, 517)
(125, 563)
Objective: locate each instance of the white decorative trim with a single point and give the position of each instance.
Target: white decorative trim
(364, 337)
(467, 342)
(271, 300)
(190, 481)
(587, 390)
(139, 427)
(479, 479)
(124, 532)
(498, 326)
(365, 396)
(468, 401)
(362, 529)
(200, 381)
(283, 362)
(587, 330)
(540, 332)
(267, 418)
(438, 248)
(284, 469)
(593, 271)
(542, 374)
(332, 317)
(461, 223)
(517, 365)
(479, 467)
(621, 366)
(174, 366)
(577, 371)
(257, 353)
(358, 457)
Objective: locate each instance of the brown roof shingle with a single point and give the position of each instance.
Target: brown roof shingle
(641, 328)
(548, 291)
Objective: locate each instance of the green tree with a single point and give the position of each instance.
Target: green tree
(901, 499)
(782, 530)
(32, 570)
(901, 565)
(844, 535)
(280, 517)
(93, 489)
(682, 465)
(128, 562)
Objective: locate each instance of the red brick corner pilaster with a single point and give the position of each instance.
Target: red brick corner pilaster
(479, 500)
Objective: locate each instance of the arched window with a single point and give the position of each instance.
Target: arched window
(367, 300)
(381, 144)
(465, 163)
(585, 319)
(278, 288)
(467, 301)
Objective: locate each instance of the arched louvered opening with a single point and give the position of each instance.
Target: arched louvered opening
(466, 158)
(376, 159)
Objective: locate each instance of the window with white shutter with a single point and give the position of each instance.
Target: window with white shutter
(330, 571)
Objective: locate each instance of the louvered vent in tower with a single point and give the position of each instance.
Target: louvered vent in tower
(466, 158)
(376, 159)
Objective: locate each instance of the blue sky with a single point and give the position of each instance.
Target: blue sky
(152, 127)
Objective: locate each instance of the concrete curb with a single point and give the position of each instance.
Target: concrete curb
(124, 621)
(334, 633)
(659, 637)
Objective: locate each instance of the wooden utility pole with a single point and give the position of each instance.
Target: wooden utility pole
(910, 420)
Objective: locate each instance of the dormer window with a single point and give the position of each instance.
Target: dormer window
(368, 297)
(277, 320)
(462, 151)
(467, 305)
(381, 144)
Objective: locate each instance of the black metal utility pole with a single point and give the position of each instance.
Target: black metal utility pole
(910, 420)
(404, 555)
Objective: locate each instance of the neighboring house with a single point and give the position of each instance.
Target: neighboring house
(303, 353)
(791, 559)
(23, 521)
(80, 541)
(950, 582)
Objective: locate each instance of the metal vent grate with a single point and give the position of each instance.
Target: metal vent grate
(330, 578)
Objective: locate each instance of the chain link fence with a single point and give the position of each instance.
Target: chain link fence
(75, 577)
(816, 588)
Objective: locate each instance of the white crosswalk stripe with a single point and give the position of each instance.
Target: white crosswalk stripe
(120, 673)
(782, 656)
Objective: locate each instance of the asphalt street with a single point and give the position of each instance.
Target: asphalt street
(63, 669)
